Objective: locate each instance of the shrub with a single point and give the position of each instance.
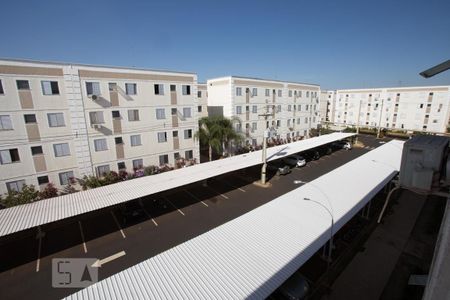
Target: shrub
(49, 191)
(28, 194)
(151, 170)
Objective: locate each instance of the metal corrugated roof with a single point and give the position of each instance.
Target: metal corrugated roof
(250, 256)
(26, 216)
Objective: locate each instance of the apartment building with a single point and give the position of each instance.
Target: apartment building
(326, 97)
(59, 121)
(202, 95)
(294, 106)
(405, 108)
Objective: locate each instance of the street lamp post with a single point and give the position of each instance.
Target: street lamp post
(330, 245)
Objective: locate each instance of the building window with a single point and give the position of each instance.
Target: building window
(254, 109)
(421, 105)
(160, 113)
(163, 159)
(92, 88)
(254, 126)
(61, 149)
(238, 110)
(187, 112)
(162, 137)
(121, 166)
(278, 123)
(102, 170)
(278, 108)
(307, 94)
(118, 140)
(2, 92)
(298, 121)
(15, 186)
(159, 89)
(431, 93)
(50, 87)
(30, 119)
(138, 164)
(267, 92)
(289, 122)
(9, 156)
(173, 88)
(175, 133)
(36, 150)
(289, 107)
(187, 134)
(135, 140)
(255, 92)
(238, 91)
(23, 85)
(65, 177)
(133, 115)
(100, 145)
(116, 114)
(130, 88)
(280, 92)
(189, 154)
(186, 89)
(112, 86)
(42, 180)
(5, 122)
(199, 108)
(96, 117)
(56, 120)
(290, 93)
(199, 94)
(174, 111)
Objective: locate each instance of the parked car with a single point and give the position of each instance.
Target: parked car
(279, 167)
(325, 150)
(294, 161)
(342, 145)
(132, 212)
(311, 155)
(295, 287)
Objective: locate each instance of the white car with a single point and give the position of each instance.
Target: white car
(295, 160)
(342, 145)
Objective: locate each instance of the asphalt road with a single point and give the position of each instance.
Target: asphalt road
(163, 221)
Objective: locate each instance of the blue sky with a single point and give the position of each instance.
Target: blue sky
(337, 44)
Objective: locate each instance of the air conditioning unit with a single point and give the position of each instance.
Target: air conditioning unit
(95, 97)
(96, 126)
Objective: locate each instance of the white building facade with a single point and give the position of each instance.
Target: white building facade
(404, 108)
(293, 107)
(59, 121)
(202, 95)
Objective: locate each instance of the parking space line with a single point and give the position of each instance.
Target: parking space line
(222, 195)
(146, 212)
(82, 237)
(118, 225)
(235, 187)
(38, 261)
(195, 197)
(170, 202)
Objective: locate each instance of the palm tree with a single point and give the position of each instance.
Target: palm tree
(208, 134)
(228, 134)
(218, 132)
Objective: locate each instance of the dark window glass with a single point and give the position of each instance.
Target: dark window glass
(14, 155)
(119, 140)
(116, 114)
(173, 87)
(174, 111)
(43, 180)
(30, 118)
(121, 165)
(23, 85)
(1, 88)
(35, 150)
(175, 133)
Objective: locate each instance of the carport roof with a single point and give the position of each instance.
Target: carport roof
(42, 212)
(250, 256)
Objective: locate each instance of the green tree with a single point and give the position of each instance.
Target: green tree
(209, 134)
(28, 194)
(228, 134)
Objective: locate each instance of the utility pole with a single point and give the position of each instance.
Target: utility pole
(379, 123)
(264, 150)
(358, 119)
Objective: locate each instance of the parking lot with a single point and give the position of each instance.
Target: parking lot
(147, 226)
